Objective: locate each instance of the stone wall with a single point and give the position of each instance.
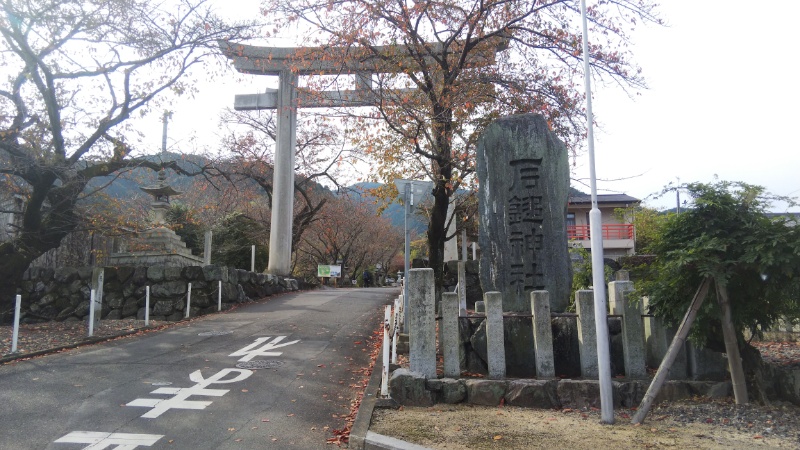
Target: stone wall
(63, 294)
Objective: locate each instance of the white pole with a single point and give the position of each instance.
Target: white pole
(596, 235)
(474, 251)
(91, 313)
(253, 258)
(219, 295)
(188, 300)
(387, 317)
(395, 328)
(147, 306)
(15, 333)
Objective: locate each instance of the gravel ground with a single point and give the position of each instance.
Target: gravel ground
(697, 423)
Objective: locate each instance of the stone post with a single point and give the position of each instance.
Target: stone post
(451, 341)
(422, 322)
(207, 248)
(587, 333)
(542, 334)
(495, 342)
(462, 287)
(632, 327)
(480, 306)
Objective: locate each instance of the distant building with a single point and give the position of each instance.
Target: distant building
(618, 235)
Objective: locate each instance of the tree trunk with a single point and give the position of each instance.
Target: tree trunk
(672, 353)
(732, 346)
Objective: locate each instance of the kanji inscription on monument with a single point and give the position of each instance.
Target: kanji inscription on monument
(523, 179)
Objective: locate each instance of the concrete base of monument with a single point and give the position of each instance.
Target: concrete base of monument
(411, 389)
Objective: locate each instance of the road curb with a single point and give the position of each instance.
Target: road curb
(360, 436)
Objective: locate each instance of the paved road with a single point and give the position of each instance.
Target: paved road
(181, 388)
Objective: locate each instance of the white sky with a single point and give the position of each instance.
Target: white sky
(722, 87)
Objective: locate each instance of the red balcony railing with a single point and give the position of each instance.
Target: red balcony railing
(610, 231)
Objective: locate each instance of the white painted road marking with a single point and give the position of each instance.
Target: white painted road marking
(99, 440)
(180, 395)
(249, 353)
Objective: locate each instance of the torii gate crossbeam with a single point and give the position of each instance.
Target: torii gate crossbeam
(288, 64)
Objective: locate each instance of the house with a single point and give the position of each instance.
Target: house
(618, 235)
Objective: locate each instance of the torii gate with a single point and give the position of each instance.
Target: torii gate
(288, 64)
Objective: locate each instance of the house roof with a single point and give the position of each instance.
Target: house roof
(605, 198)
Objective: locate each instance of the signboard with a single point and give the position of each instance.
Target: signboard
(328, 271)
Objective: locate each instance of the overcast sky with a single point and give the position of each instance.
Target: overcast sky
(722, 99)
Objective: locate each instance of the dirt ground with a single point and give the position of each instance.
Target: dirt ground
(698, 423)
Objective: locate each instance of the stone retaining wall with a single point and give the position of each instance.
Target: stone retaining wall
(63, 294)
(412, 389)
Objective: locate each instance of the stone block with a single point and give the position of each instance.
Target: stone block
(566, 347)
(533, 394)
(581, 394)
(192, 273)
(485, 392)
(630, 393)
(215, 273)
(160, 308)
(674, 390)
(172, 273)
(722, 389)
(447, 390)
(114, 314)
(168, 289)
(408, 388)
(65, 275)
(155, 274)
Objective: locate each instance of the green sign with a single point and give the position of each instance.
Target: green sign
(328, 271)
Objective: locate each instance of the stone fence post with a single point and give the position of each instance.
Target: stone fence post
(619, 293)
(587, 333)
(542, 334)
(422, 322)
(451, 342)
(495, 339)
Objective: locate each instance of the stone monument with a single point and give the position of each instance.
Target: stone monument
(159, 245)
(523, 177)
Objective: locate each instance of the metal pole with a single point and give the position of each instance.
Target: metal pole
(596, 236)
(15, 333)
(147, 306)
(407, 194)
(219, 295)
(253, 258)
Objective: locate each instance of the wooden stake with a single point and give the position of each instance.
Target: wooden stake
(672, 352)
(732, 346)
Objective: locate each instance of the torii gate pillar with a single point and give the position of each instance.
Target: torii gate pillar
(280, 235)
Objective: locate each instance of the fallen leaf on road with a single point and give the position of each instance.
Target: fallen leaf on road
(245, 390)
(265, 420)
(290, 415)
(231, 429)
(498, 437)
